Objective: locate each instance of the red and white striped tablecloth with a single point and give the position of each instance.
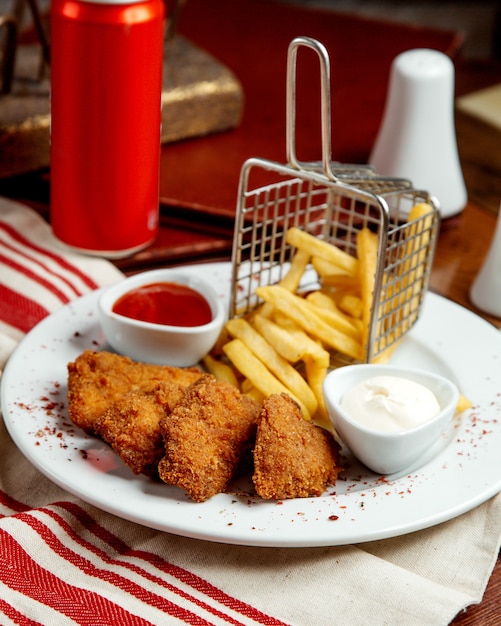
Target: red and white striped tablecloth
(63, 561)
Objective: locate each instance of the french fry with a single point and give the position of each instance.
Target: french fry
(217, 350)
(280, 367)
(295, 345)
(257, 372)
(280, 338)
(342, 281)
(293, 277)
(415, 254)
(352, 305)
(294, 306)
(322, 299)
(316, 247)
(463, 404)
(292, 342)
(220, 370)
(324, 268)
(316, 371)
(248, 389)
(316, 359)
(424, 212)
(331, 316)
(297, 268)
(367, 253)
(283, 320)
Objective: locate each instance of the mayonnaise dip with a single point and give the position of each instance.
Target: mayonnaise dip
(390, 403)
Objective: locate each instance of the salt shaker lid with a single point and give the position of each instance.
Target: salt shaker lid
(417, 138)
(424, 63)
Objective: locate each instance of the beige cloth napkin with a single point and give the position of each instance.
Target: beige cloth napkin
(63, 561)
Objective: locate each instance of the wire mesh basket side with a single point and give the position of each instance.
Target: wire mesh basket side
(333, 212)
(407, 265)
(265, 213)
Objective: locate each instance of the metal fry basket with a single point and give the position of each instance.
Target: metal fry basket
(332, 201)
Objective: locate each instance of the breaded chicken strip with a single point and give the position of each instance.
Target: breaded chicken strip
(293, 458)
(98, 379)
(205, 437)
(132, 425)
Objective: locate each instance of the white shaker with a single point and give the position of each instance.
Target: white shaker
(485, 292)
(417, 137)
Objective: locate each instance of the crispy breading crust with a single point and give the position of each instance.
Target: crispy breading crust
(293, 458)
(132, 425)
(192, 430)
(96, 380)
(205, 437)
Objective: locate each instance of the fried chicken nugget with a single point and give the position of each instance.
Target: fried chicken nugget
(98, 379)
(132, 425)
(205, 436)
(293, 458)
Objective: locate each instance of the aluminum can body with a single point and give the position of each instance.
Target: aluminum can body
(106, 89)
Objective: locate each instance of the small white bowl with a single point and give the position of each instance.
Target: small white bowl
(381, 451)
(180, 346)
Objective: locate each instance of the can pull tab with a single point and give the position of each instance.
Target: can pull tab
(323, 56)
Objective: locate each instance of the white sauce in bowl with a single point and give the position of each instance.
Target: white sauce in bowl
(390, 403)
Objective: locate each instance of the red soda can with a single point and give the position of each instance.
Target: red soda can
(106, 89)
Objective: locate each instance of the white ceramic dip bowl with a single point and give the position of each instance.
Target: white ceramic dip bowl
(383, 451)
(159, 343)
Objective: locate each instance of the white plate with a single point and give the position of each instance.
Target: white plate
(461, 472)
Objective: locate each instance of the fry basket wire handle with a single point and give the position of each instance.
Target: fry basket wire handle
(324, 61)
(333, 201)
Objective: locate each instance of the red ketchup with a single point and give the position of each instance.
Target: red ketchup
(171, 304)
